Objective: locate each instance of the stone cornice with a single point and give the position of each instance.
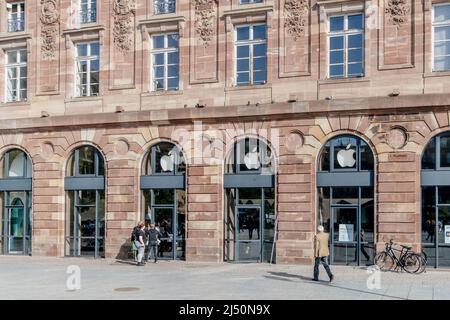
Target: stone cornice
(274, 111)
(12, 36)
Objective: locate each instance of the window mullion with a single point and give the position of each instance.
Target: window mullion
(250, 68)
(166, 80)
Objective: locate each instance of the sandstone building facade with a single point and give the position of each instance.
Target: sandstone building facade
(237, 126)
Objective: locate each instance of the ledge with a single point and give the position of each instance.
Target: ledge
(96, 27)
(346, 80)
(83, 99)
(15, 104)
(437, 74)
(247, 10)
(159, 19)
(162, 93)
(11, 36)
(268, 111)
(249, 87)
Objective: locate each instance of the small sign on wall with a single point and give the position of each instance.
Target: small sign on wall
(346, 232)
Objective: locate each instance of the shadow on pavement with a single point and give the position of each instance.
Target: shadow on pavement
(283, 275)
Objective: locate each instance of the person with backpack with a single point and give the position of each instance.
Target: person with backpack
(139, 242)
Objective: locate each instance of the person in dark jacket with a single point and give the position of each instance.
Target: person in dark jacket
(153, 236)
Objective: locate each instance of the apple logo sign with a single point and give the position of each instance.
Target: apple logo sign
(345, 157)
(251, 159)
(167, 161)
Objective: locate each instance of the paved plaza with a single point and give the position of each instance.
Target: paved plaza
(46, 278)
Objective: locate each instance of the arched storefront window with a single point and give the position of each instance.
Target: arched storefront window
(15, 198)
(164, 197)
(85, 203)
(345, 195)
(435, 182)
(249, 184)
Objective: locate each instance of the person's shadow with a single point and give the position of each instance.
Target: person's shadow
(288, 276)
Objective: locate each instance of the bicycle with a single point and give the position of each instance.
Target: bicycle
(407, 260)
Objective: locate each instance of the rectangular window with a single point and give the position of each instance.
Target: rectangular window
(163, 6)
(88, 11)
(16, 75)
(165, 62)
(16, 16)
(441, 37)
(251, 54)
(346, 46)
(87, 69)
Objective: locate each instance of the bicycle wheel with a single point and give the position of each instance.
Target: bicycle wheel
(412, 262)
(424, 260)
(384, 261)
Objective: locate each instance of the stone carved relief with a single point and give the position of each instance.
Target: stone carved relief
(123, 11)
(397, 11)
(204, 19)
(296, 17)
(49, 30)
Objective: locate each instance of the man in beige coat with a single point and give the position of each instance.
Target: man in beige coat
(321, 253)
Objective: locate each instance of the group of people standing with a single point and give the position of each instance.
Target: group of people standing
(146, 239)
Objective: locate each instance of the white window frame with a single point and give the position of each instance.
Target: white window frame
(87, 58)
(90, 8)
(166, 51)
(346, 33)
(433, 26)
(166, 6)
(251, 44)
(9, 6)
(17, 66)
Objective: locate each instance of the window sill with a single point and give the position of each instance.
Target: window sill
(84, 28)
(10, 36)
(252, 9)
(436, 74)
(15, 104)
(249, 87)
(341, 80)
(160, 18)
(162, 93)
(83, 99)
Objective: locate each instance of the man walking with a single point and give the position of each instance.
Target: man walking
(153, 241)
(321, 253)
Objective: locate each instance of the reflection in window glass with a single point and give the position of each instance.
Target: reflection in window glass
(429, 155)
(163, 196)
(345, 195)
(441, 40)
(250, 196)
(324, 208)
(445, 150)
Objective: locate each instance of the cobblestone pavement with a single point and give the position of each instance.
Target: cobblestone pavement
(46, 278)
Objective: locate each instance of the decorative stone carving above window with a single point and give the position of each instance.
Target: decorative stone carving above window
(296, 17)
(49, 17)
(204, 19)
(123, 11)
(398, 11)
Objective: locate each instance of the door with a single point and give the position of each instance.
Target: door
(344, 239)
(163, 217)
(17, 224)
(248, 241)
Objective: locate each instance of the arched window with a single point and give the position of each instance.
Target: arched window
(249, 184)
(164, 197)
(15, 190)
(435, 182)
(85, 204)
(345, 195)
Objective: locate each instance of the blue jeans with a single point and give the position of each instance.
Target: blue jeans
(324, 261)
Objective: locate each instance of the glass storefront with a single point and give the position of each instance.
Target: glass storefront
(85, 204)
(15, 202)
(250, 203)
(164, 197)
(346, 200)
(435, 181)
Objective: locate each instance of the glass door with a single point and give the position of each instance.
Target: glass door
(17, 224)
(163, 217)
(344, 239)
(248, 226)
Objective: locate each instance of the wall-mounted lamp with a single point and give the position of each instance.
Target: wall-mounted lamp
(119, 109)
(44, 114)
(394, 93)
